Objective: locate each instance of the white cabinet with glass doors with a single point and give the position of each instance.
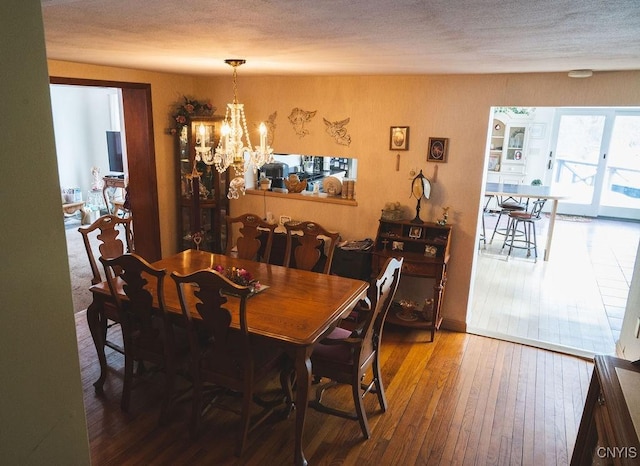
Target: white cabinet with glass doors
(507, 153)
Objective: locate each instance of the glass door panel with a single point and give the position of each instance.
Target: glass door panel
(577, 155)
(621, 187)
(597, 162)
(577, 159)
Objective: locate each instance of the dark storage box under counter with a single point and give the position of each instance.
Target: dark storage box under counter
(352, 263)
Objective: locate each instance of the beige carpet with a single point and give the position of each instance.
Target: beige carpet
(79, 268)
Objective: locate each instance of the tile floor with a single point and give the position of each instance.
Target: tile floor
(574, 302)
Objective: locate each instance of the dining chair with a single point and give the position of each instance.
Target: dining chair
(309, 246)
(146, 328)
(109, 236)
(527, 239)
(224, 356)
(252, 231)
(345, 355)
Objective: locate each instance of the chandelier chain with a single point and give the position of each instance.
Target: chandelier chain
(235, 84)
(231, 150)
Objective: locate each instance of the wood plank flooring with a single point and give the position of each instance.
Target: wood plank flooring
(464, 399)
(575, 302)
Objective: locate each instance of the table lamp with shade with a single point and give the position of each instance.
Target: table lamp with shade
(420, 187)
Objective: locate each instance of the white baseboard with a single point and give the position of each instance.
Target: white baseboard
(536, 343)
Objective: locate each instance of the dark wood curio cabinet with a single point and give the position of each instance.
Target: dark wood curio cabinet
(426, 251)
(202, 203)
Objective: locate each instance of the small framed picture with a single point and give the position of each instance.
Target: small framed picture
(437, 149)
(399, 138)
(415, 232)
(397, 246)
(430, 251)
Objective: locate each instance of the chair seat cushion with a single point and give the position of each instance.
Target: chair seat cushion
(338, 333)
(521, 215)
(333, 353)
(511, 206)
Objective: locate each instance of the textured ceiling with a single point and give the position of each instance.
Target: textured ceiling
(330, 37)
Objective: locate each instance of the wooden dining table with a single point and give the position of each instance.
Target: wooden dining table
(296, 310)
(531, 192)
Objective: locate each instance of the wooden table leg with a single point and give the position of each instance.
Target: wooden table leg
(303, 381)
(552, 222)
(96, 324)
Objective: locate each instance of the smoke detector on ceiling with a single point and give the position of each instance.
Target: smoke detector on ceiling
(580, 73)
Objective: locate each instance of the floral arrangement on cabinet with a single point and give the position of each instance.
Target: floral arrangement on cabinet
(188, 109)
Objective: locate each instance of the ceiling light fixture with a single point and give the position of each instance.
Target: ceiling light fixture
(580, 73)
(232, 150)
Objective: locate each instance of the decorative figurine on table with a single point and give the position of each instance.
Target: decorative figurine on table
(420, 187)
(97, 183)
(445, 216)
(197, 238)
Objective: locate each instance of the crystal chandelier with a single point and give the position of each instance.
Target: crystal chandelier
(232, 150)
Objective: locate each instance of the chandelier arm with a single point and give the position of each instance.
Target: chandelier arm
(231, 149)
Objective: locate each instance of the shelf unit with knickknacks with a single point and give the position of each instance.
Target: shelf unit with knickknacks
(508, 152)
(425, 248)
(202, 190)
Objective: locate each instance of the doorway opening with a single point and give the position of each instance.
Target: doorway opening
(138, 139)
(575, 302)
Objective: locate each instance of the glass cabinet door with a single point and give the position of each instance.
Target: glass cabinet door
(515, 144)
(202, 189)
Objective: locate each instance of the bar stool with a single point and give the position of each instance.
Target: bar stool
(485, 209)
(528, 239)
(507, 205)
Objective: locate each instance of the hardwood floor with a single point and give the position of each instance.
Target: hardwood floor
(575, 302)
(464, 399)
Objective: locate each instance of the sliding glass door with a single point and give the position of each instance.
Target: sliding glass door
(621, 189)
(596, 160)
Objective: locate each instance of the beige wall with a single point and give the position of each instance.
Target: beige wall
(41, 411)
(456, 107)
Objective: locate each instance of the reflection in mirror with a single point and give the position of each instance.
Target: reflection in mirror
(314, 169)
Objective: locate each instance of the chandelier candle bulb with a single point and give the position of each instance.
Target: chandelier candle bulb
(225, 136)
(263, 137)
(201, 135)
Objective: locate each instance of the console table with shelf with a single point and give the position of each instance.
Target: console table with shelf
(610, 424)
(113, 200)
(425, 248)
